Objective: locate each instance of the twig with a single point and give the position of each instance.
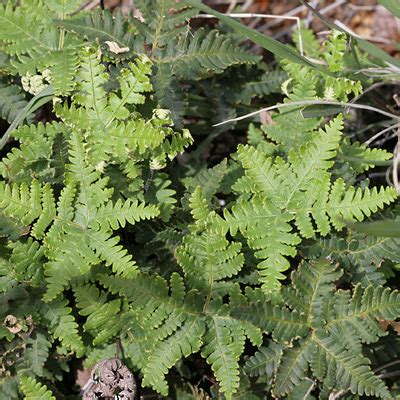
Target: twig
(232, 5)
(310, 389)
(334, 396)
(247, 4)
(388, 365)
(380, 133)
(301, 8)
(362, 8)
(389, 375)
(311, 102)
(255, 15)
(310, 16)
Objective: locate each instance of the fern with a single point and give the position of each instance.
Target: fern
(102, 26)
(297, 191)
(37, 353)
(12, 101)
(37, 44)
(34, 390)
(204, 53)
(336, 324)
(108, 235)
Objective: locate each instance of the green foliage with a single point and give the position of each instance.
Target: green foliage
(334, 326)
(34, 390)
(274, 193)
(232, 279)
(12, 101)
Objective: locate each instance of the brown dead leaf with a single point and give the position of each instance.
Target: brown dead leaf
(12, 324)
(114, 47)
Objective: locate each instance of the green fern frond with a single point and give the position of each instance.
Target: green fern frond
(34, 155)
(361, 256)
(32, 205)
(284, 324)
(102, 316)
(26, 259)
(224, 345)
(103, 26)
(311, 283)
(206, 254)
(92, 78)
(12, 101)
(350, 370)
(185, 341)
(107, 249)
(112, 216)
(62, 325)
(208, 179)
(62, 8)
(265, 361)
(36, 353)
(293, 367)
(63, 65)
(363, 155)
(208, 53)
(19, 30)
(334, 326)
(297, 190)
(34, 390)
(256, 86)
(209, 257)
(164, 20)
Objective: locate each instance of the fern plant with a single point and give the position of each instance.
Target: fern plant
(274, 193)
(185, 62)
(223, 279)
(327, 328)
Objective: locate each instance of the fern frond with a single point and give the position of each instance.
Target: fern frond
(165, 20)
(62, 7)
(92, 78)
(345, 369)
(209, 257)
(12, 101)
(32, 205)
(206, 53)
(112, 216)
(363, 154)
(102, 316)
(224, 345)
(19, 29)
(334, 326)
(26, 259)
(107, 249)
(63, 66)
(257, 86)
(33, 155)
(355, 204)
(102, 26)
(293, 367)
(36, 353)
(34, 390)
(299, 189)
(62, 325)
(185, 341)
(284, 324)
(208, 179)
(265, 361)
(312, 283)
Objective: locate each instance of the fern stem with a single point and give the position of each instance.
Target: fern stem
(390, 364)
